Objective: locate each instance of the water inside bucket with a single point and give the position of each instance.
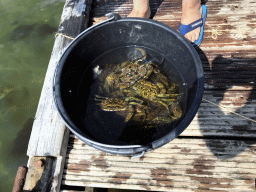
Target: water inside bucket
(109, 127)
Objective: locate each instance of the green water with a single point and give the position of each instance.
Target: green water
(26, 40)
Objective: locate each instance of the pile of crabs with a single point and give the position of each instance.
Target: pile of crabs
(140, 92)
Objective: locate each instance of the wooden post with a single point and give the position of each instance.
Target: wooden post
(39, 174)
(49, 136)
(20, 179)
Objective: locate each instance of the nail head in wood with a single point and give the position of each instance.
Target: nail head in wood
(39, 164)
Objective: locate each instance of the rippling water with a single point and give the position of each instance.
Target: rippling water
(26, 42)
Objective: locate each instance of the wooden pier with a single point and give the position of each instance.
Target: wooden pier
(217, 152)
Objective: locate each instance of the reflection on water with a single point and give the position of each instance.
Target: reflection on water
(26, 41)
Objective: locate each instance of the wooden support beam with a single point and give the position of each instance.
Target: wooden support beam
(39, 174)
(20, 179)
(49, 136)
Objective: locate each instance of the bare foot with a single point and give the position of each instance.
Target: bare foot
(139, 13)
(189, 15)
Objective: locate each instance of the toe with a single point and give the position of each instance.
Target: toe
(193, 38)
(193, 35)
(188, 37)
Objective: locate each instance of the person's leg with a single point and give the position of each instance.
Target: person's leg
(191, 11)
(140, 9)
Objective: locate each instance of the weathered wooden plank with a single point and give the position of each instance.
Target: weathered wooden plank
(144, 174)
(77, 167)
(164, 152)
(197, 146)
(230, 24)
(47, 125)
(69, 191)
(224, 146)
(168, 183)
(184, 159)
(49, 135)
(183, 164)
(87, 189)
(77, 164)
(230, 150)
(214, 120)
(223, 17)
(140, 186)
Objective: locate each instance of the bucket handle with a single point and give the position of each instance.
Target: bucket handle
(139, 155)
(111, 17)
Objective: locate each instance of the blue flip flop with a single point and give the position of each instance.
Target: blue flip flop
(183, 29)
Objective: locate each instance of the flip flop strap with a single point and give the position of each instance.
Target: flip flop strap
(183, 29)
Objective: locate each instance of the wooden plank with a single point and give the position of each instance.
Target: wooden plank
(87, 189)
(228, 70)
(49, 135)
(233, 20)
(225, 17)
(223, 148)
(69, 191)
(182, 165)
(47, 125)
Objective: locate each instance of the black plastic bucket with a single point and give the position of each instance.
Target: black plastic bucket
(74, 77)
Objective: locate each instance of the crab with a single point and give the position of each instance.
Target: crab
(157, 76)
(162, 120)
(154, 92)
(129, 72)
(158, 116)
(176, 111)
(117, 104)
(129, 75)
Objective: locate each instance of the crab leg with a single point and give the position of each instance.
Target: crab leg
(167, 95)
(100, 97)
(164, 104)
(141, 111)
(131, 99)
(130, 114)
